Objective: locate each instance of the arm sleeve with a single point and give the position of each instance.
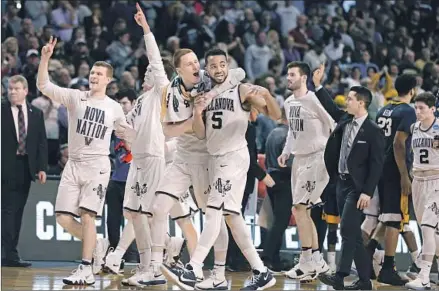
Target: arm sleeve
(61, 95)
(156, 62)
(289, 141)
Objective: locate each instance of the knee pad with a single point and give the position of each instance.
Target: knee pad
(394, 224)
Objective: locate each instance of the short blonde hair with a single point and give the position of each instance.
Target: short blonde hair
(19, 79)
(178, 54)
(105, 65)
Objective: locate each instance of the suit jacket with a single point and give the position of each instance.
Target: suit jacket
(366, 159)
(36, 141)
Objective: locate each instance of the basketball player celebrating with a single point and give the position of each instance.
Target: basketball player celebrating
(394, 186)
(81, 193)
(191, 158)
(223, 123)
(425, 187)
(147, 169)
(309, 129)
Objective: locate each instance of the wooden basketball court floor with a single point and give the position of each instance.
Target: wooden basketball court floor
(47, 276)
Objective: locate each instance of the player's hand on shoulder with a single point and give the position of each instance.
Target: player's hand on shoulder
(48, 49)
(282, 160)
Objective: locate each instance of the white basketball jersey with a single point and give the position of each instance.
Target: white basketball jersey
(425, 145)
(226, 123)
(145, 119)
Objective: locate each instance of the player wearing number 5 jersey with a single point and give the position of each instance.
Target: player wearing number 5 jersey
(425, 188)
(394, 186)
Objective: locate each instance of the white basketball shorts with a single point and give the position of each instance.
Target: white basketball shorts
(175, 183)
(228, 176)
(308, 178)
(83, 186)
(425, 196)
(142, 182)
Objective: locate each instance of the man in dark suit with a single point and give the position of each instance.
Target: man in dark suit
(24, 154)
(354, 155)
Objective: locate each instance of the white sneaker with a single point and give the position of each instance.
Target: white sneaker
(320, 265)
(303, 271)
(138, 274)
(418, 284)
(377, 261)
(153, 277)
(83, 275)
(112, 262)
(173, 249)
(99, 252)
(214, 282)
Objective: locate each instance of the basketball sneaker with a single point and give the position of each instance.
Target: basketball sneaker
(113, 262)
(139, 273)
(304, 271)
(216, 281)
(153, 277)
(99, 253)
(83, 275)
(321, 267)
(188, 279)
(260, 281)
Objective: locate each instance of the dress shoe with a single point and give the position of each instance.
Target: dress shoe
(360, 285)
(15, 263)
(332, 280)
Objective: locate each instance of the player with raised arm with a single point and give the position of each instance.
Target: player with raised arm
(148, 165)
(191, 158)
(222, 122)
(309, 129)
(425, 186)
(81, 192)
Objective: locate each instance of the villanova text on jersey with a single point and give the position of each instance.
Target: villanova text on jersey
(91, 125)
(295, 122)
(424, 142)
(221, 104)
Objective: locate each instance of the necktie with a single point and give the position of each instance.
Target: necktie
(346, 146)
(21, 131)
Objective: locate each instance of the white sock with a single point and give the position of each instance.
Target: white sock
(424, 274)
(220, 250)
(316, 256)
(331, 258)
(307, 255)
(220, 270)
(143, 239)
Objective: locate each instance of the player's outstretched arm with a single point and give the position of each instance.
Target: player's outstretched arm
(54, 92)
(324, 97)
(152, 51)
(198, 125)
(261, 99)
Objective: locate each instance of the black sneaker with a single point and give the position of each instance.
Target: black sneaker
(391, 277)
(188, 279)
(260, 281)
(173, 271)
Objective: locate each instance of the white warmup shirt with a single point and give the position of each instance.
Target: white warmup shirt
(309, 125)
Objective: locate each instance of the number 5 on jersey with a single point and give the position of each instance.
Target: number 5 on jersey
(217, 121)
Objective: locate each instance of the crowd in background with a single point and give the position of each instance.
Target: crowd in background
(368, 43)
